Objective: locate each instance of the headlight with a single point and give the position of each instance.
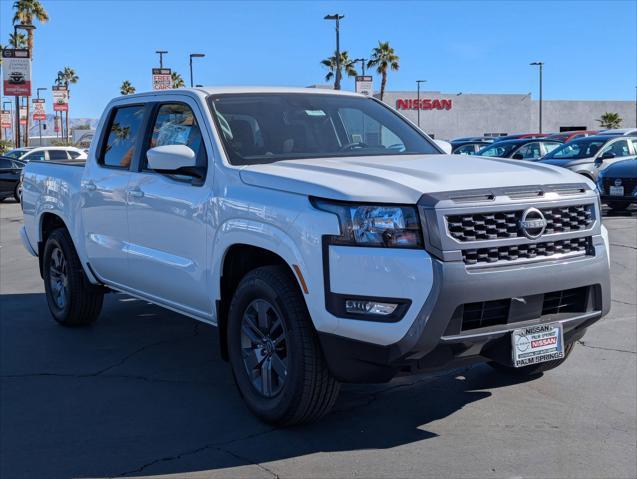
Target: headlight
(389, 226)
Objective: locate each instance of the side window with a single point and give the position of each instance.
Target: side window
(35, 156)
(120, 146)
(465, 150)
(550, 146)
(5, 163)
(528, 151)
(58, 155)
(176, 124)
(73, 154)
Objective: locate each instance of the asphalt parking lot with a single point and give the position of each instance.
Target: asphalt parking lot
(144, 393)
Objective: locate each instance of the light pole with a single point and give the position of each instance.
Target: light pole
(363, 61)
(3, 107)
(17, 98)
(418, 82)
(337, 17)
(161, 54)
(194, 55)
(40, 121)
(540, 64)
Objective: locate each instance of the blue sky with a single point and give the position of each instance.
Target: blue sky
(589, 47)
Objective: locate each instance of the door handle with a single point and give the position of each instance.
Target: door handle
(90, 186)
(136, 193)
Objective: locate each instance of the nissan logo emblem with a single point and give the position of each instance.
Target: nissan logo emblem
(618, 182)
(532, 224)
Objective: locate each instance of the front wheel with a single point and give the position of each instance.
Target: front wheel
(534, 369)
(72, 300)
(274, 352)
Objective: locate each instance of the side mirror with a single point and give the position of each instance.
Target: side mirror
(174, 159)
(518, 156)
(444, 146)
(609, 155)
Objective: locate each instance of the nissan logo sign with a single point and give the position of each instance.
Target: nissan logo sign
(532, 224)
(618, 182)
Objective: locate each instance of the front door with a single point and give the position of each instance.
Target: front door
(104, 205)
(167, 216)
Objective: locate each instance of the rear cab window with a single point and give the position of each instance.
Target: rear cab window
(120, 145)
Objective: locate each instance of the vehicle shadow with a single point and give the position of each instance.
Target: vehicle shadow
(144, 392)
(627, 213)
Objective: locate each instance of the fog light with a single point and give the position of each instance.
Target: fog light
(353, 306)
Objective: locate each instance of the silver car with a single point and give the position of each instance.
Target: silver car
(590, 155)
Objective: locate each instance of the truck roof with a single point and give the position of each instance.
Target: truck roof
(221, 90)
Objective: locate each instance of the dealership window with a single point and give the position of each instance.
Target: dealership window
(122, 137)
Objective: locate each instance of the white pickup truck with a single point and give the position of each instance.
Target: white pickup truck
(327, 238)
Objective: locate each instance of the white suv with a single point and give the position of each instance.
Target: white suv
(47, 153)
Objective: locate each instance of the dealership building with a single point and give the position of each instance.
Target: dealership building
(452, 115)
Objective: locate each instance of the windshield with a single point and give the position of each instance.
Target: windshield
(582, 148)
(15, 153)
(268, 127)
(497, 150)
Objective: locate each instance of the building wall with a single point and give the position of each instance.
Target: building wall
(477, 114)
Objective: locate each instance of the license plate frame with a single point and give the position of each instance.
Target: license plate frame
(537, 344)
(616, 191)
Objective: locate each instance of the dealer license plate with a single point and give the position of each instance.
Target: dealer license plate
(616, 191)
(537, 344)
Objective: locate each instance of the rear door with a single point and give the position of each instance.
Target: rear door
(103, 192)
(9, 176)
(167, 215)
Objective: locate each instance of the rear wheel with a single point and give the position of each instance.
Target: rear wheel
(17, 192)
(72, 300)
(533, 369)
(275, 356)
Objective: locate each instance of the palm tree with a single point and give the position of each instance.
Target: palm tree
(26, 11)
(18, 41)
(67, 77)
(127, 88)
(383, 58)
(345, 64)
(178, 81)
(610, 120)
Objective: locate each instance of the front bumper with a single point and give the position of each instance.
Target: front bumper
(435, 342)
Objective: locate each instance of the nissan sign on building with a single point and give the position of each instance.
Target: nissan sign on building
(452, 115)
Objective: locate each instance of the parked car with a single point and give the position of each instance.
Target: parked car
(567, 136)
(588, 156)
(617, 184)
(324, 251)
(10, 170)
(521, 136)
(47, 153)
(486, 139)
(522, 149)
(469, 147)
(620, 132)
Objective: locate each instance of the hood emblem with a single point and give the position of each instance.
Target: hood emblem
(618, 182)
(532, 224)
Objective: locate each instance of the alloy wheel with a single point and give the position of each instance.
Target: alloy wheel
(264, 347)
(58, 278)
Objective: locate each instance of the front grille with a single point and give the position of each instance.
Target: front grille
(492, 313)
(504, 224)
(525, 251)
(629, 185)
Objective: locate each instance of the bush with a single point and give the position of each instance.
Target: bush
(5, 145)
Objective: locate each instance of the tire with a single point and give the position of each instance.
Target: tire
(17, 192)
(72, 300)
(534, 369)
(618, 205)
(270, 330)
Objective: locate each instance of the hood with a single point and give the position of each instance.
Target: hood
(567, 163)
(622, 169)
(399, 179)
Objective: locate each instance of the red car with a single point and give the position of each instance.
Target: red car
(567, 136)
